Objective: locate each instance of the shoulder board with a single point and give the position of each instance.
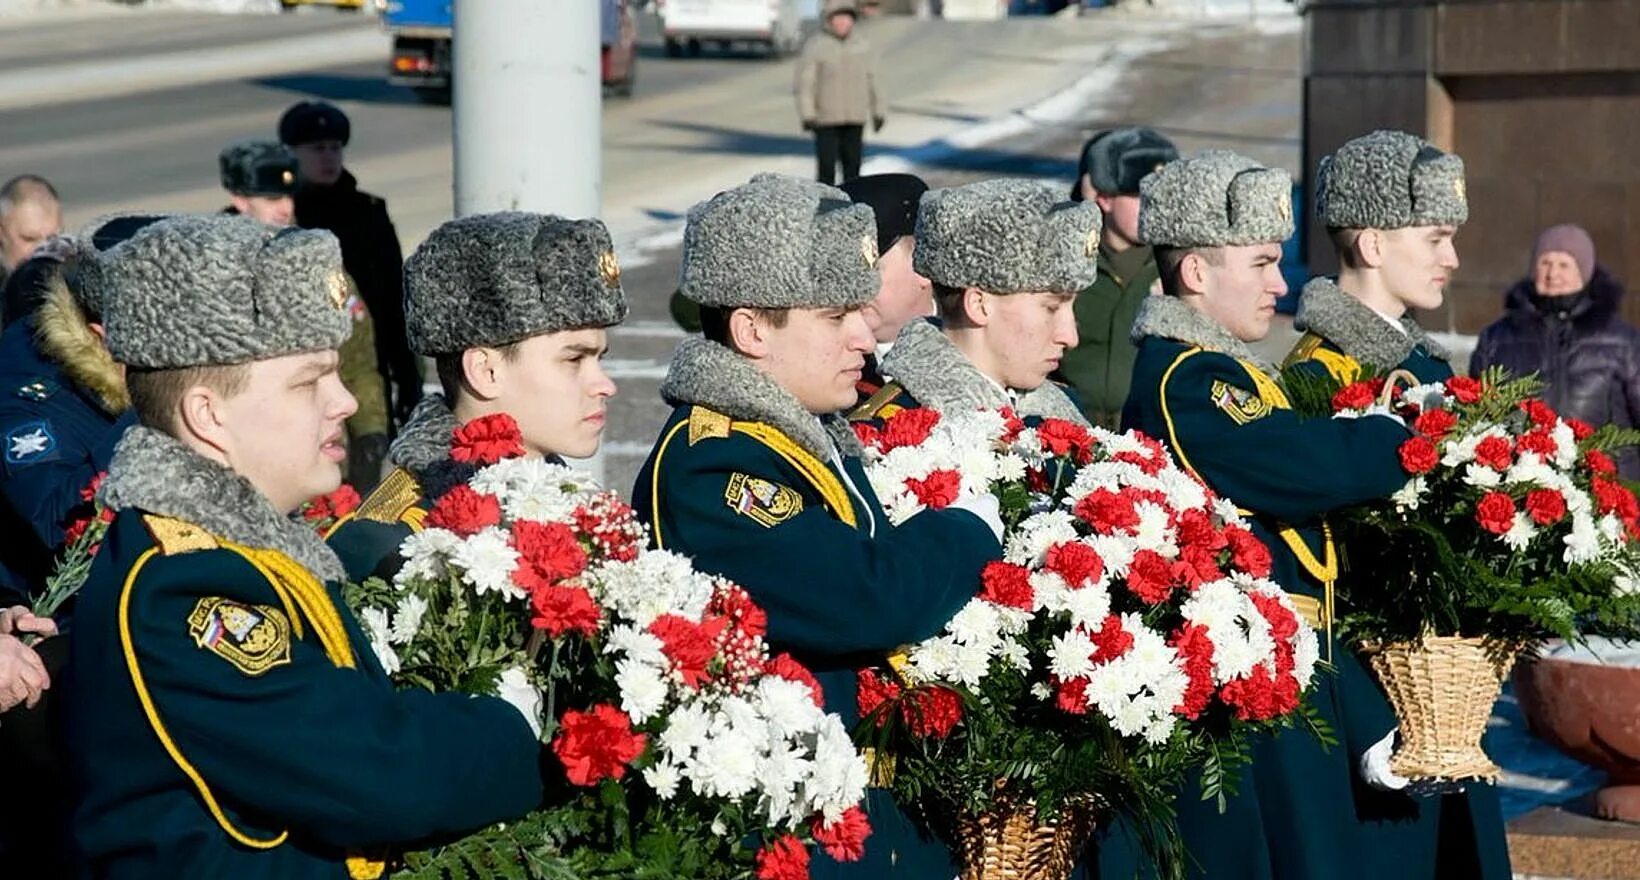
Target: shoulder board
(397, 494)
(706, 423)
(175, 536)
(1304, 350)
(879, 405)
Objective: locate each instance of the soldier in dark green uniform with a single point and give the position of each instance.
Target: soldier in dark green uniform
(756, 478)
(1392, 204)
(226, 715)
(512, 307)
(1217, 221)
(1100, 367)
(1007, 258)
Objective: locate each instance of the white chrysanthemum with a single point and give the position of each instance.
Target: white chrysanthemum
(978, 623)
(1041, 691)
(788, 706)
(1070, 655)
(1521, 532)
(780, 777)
(1033, 537)
(657, 582)
(515, 688)
(1155, 530)
(687, 728)
(643, 689)
(426, 554)
(640, 645)
(1565, 444)
(933, 659)
(1183, 491)
(407, 619)
(1225, 510)
(533, 488)
(487, 562)
(378, 632)
(840, 772)
(971, 663)
(1016, 655)
(1611, 528)
(663, 778)
(743, 715)
(1088, 606)
(1409, 496)
(1481, 476)
(1583, 542)
(725, 765)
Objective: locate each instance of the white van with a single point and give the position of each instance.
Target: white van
(775, 25)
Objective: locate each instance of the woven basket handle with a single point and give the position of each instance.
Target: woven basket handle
(1393, 381)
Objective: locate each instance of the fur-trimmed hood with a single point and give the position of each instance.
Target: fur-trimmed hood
(929, 365)
(1600, 300)
(425, 439)
(1168, 317)
(157, 473)
(711, 375)
(1325, 309)
(62, 333)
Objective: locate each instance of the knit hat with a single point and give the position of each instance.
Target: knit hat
(1567, 238)
(1215, 199)
(1116, 160)
(493, 279)
(1390, 180)
(1007, 236)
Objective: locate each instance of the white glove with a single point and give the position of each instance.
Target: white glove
(983, 506)
(1375, 765)
(1378, 410)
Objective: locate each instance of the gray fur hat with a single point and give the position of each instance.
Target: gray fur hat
(494, 279)
(780, 242)
(194, 291)
(1390, 180)
(258, 168)
(1007, 236)
(1116, 160)
(1215, 199)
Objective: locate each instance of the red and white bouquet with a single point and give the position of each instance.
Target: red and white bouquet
(679, 738)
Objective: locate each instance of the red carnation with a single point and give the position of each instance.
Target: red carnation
(845, 839)
(734, 603)
(689, 645)
(932, 711)
(1495, 452)
(597, 744)
(784, 859)
(75, 531)
(1196, 529)
(869, 436)
(487, 440)
(1261, 696)
(908, 427)
(1540, 413)
(1435, 424)
(1111, 641)
(1060, 437)
(938, 491)
(872, 692)
(1283, 622)
(1193, 644)
(465, 511)
(1418, 455)
(1004, 583)
(783, 666)
(1599, 462)
(1611, 497)
(1197, 565)
(1071, 696)
(547, 553)
(559, 610)
(1107, 511)
(89, 493)
(1151, 461)
(1496, 512)
(1581, 430)
(1076, 562)
(1356, 395)
(1545, 506)
(1150, 577)
(1538, 441)
(1012, 424)
(1464, 388)
(1247, 552)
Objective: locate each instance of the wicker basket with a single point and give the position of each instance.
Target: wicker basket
(1442, 689)
(1008, 843)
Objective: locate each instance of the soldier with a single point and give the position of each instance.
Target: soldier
(903, 295)
(1217, 221)
(1006, 258)
(755, 477)
(262, 178)
(512, 307)
(226, 715)
(1100, 367)
(1392, 203)
(330, 198)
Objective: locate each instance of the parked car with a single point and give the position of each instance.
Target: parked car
(776, 26)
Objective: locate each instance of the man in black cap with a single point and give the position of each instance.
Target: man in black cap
(1100, 367)
(902, 294)
(330, 198)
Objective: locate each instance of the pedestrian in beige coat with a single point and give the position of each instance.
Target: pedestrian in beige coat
(839, 91)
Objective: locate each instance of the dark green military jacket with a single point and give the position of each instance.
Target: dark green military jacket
(1100, 367)
(1341, 337)
(1301, 811)
(750, 485)
(226, 716)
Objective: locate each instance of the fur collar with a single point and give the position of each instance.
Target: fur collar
(1326, 310)
(709, 374)
(425, 439)
(154, 472)
(928, 365)
(1168, 317)
(63, 335)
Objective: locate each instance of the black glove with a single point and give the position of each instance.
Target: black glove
(877, 123)
(364, 461)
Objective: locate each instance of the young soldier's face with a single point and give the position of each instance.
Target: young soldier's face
(1418, 263)
(817, 356)
(320, 162)
(1240, 289)
(903, 295)
(284, 430)
(555, 386)
(1025, 335)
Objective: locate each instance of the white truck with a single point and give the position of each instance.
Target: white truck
(774, 25)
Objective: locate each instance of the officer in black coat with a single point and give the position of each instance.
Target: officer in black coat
(330, 199)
